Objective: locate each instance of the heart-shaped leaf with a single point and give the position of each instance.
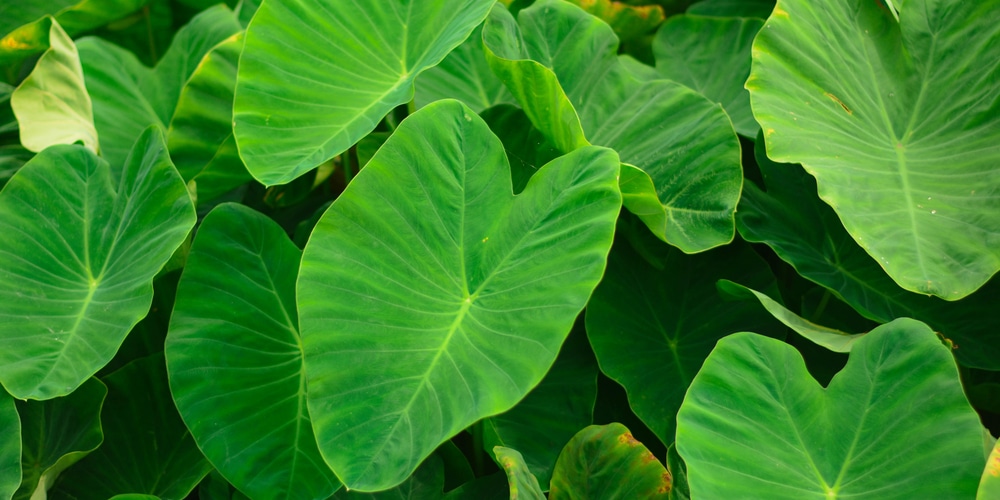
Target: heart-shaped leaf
(447, 296)
(234, 358)
(165, 463)
(58, 433)
(664, 306)
(522, 483)
(316, 76)
(806, 233)
(755, 424)
(52, 105)
(82, 242)
(561, 65)
(898, 122)
(10, 446)
(605, 461)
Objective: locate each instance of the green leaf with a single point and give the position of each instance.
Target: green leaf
(464, 75)
(832, 339)
(10, 446)
(128, 97)
(446, 295)
(898, 122)
(147, 450)
(51, 104)
(317, 76)
(522, 483)
(82, 248)
(552, 413)
(756, 424)
(56, 434)
(684, 142)
(711, 55)
(200, 137)
(657, 315)
(807, 234)
(234, 359)
(989, 485)
(605, 461)
(678, 475)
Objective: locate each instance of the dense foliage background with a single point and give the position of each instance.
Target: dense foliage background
(475, 249)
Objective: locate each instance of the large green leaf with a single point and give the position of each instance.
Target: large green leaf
(807, 234)
(81, 243)
(234, 358)
(316, 76)
(445, 295)
(464, 75)
(200, 136)
(146, 450)
(552, 413)
(10, 447)
(56, 434)
(128, 96)
(664, 307)
(522, 483)
(755, 424)
(712, 56)
(605, 461)
(52, 105)
(561, 65)
(898, 122)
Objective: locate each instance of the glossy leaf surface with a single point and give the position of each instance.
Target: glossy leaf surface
(83, 248)
(807, 234)
(56, 434)
(446, 295)
(900, 125)
(561, 64)
(235, 361)
(52, 105)
(605, 461)
(663, 308)
(165, 463)
(756, 424)
(317, 76)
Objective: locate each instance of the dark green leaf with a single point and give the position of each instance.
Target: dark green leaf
(82, 248)
(446, 295)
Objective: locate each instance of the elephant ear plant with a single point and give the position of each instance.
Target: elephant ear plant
(314, 249)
